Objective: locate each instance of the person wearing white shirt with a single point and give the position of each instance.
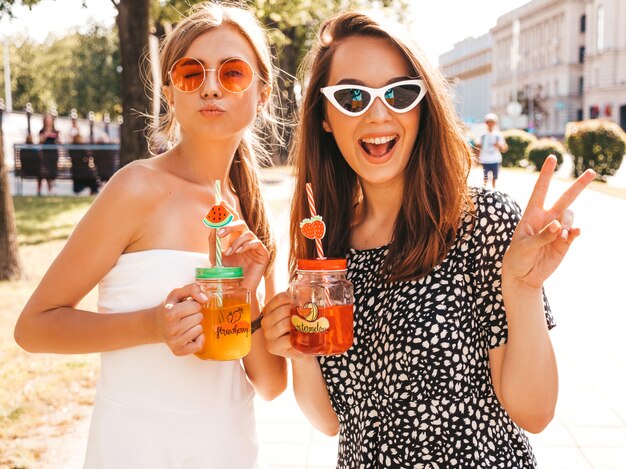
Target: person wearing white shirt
(492, 144)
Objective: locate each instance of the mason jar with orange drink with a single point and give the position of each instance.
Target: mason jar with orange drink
(226, 321)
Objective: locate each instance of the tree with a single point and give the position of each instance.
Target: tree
(10, 267)
(132, 22)
(26, 79)
(132, 25)
(78, 71)
(82, 72)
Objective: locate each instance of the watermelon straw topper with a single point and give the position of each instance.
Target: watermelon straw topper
(218, 217)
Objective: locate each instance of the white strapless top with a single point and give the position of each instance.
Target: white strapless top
(152, 391)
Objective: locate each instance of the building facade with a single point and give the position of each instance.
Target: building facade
(469, 65)
(604, 81)
(564, 60)
(539, 52)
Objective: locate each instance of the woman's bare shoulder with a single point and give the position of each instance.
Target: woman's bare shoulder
(140, 180)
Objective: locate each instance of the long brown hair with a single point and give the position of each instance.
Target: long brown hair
(244, 171)
(435, 191)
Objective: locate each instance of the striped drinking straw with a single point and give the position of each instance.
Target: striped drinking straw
(218, 240)
(318, 242)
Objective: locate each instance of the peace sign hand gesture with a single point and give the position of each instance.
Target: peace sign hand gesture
(543, 237)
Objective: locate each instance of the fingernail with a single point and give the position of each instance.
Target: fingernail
(228, 251)
(220, 232)
(554, 228)
(203, 296)
(564, 234)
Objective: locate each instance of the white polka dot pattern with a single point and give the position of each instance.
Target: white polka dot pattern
(415, 391)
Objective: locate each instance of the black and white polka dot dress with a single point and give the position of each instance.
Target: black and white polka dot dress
(415, 391)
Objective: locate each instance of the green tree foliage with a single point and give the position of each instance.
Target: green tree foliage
(90, 81)
(517, 141)
(7, 5)
(77, 71)
(538, 151)
(597, 144)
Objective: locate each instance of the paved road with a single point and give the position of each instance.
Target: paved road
(589, 430)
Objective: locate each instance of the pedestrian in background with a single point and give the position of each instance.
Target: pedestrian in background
(491, 145)
(48, 135)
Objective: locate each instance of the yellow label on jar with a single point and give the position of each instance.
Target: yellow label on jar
(306, 320)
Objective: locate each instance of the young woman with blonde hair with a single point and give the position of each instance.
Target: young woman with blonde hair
(157, 405)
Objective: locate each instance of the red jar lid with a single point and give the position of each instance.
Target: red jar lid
(322, 264)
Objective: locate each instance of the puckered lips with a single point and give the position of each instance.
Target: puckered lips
(378, 148)
(212, 110)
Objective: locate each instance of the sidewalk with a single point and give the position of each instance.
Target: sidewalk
(589, 429)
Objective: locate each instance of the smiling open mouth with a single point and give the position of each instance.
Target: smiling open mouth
(378, 146)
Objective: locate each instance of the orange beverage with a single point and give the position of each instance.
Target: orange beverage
(329, 333)
(226, 330)
(226, 322)
(322, 311)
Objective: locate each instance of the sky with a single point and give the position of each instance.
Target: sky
(436, 24)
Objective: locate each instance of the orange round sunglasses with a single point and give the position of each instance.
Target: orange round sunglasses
(189, 74)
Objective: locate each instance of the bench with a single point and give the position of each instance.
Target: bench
(85, 165)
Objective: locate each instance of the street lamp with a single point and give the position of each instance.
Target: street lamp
(29, 112)
(91, 116)
(107, 121)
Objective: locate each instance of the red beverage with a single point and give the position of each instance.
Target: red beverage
(322, 312)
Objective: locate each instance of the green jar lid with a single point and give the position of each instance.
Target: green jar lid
(218, 272)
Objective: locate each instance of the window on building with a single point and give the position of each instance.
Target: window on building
(600, 38)
(581, 54)
(581, 85)
(583, 23)
(579, 114)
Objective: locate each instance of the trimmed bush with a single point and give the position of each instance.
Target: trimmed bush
(518, 141)
(538, 151)
(597, 144)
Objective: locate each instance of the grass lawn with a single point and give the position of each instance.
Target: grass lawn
(41, 395)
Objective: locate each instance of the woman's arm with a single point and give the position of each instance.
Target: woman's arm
(309, 385)
(267, 372)
(50, 321)
(524, 371)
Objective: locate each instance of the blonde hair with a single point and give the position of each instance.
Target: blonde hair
(435, 190)
(244, 172)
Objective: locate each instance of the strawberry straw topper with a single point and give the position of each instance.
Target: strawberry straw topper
(314, 227)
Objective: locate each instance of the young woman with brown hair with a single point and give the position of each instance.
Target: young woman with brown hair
(157, 405)
(451, 356)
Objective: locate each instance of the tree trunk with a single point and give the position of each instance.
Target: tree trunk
(132, 22)
(10, 267)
